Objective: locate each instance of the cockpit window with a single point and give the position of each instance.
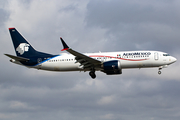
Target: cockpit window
(166, 55)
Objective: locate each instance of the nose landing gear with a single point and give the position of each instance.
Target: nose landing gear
(159, 72)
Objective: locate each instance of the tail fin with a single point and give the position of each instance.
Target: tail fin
(21, 46)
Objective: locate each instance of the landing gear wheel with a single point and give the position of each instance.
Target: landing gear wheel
(159, 72)
(92, 74)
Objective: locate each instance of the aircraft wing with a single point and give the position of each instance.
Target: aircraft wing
(17, 58)
(85, 61)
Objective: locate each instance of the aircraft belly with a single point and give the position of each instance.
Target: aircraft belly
(136, 64)
(60, 66)
(69, 67)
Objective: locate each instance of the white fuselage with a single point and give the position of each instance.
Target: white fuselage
(128, 59)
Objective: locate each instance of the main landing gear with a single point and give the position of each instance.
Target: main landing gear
(92, 74)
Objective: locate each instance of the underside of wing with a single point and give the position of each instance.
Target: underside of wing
(85, 61)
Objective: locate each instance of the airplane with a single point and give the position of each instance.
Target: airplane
(110, 63)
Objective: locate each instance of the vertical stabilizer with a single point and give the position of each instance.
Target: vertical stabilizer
(21, 46)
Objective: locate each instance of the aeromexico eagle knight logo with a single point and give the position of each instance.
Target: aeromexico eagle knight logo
(23, 47)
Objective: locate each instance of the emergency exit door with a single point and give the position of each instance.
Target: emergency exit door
(156, 56)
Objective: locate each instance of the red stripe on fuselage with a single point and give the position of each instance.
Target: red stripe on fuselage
(118, 58)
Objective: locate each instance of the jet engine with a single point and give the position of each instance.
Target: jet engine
(112, 67)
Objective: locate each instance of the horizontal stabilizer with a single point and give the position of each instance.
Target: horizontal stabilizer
(17, 58)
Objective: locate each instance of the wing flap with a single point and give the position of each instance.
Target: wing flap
(80, 56)
(17, 58)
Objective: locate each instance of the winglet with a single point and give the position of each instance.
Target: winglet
(11, 28)
(64, 45)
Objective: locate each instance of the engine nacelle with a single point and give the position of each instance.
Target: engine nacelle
(112, 67)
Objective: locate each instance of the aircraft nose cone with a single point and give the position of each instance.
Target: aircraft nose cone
(174, 59)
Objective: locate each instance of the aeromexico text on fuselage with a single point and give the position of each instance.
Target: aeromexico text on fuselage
(136, 53)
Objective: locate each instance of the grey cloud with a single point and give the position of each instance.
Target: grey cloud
(147, 95)
(4, 16)
(112, 13)
(151, 25)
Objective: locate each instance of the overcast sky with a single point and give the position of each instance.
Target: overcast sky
(90, 26)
